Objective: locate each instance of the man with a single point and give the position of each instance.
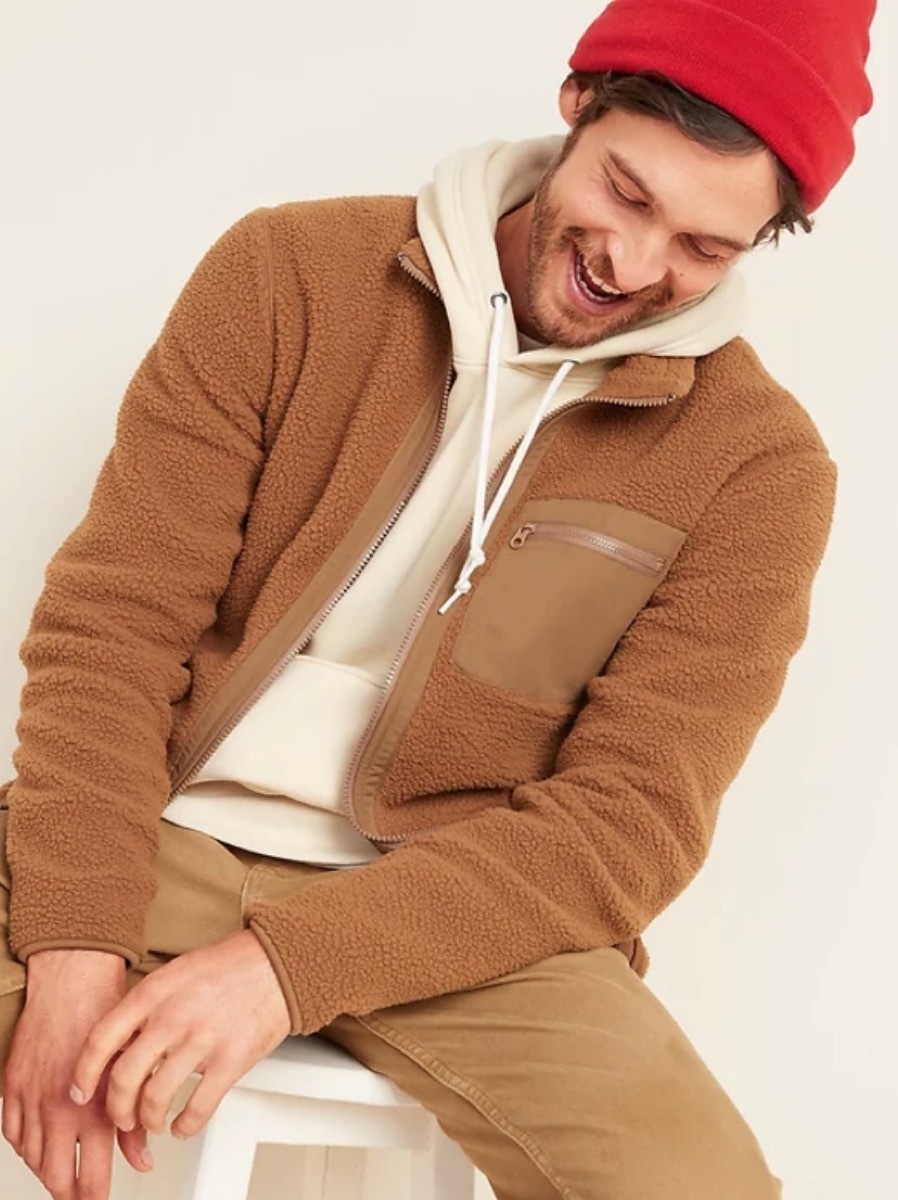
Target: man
(449, 557)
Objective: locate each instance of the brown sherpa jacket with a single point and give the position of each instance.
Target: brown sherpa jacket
(547, 763)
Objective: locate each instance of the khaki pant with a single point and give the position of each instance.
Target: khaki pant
(568, 1079)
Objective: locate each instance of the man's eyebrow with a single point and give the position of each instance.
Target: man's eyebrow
(632, 174)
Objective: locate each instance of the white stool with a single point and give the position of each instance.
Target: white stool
(311, 1093)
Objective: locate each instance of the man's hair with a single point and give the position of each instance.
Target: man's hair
(654, 95)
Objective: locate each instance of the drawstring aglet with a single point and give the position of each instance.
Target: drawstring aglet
(456, 595)
(463, 584)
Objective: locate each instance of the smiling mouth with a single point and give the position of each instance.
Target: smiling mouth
(593, 288)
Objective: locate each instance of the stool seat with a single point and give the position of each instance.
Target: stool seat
(320, 1070)
(309, 1092)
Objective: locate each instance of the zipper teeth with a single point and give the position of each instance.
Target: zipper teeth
(401, 654)
(407, 265)
(423, 609)
(321, 616)
(633, 555)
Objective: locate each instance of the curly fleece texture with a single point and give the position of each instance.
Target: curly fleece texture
(290, 370)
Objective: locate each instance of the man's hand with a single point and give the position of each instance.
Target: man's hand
(68, 992)
(215, 1011)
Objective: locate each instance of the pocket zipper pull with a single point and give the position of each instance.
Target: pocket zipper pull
(520, 538)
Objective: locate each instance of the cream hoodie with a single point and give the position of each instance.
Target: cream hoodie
(274, 785)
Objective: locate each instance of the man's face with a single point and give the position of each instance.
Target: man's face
(633, 206)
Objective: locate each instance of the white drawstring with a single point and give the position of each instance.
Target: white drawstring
(483, 520)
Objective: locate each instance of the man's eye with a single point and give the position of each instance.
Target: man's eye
(631, 201)
(701, 254)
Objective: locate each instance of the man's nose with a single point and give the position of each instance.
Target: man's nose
(639, 261)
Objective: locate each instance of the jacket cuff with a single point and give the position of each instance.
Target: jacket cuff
(48, 911)
(23, 953)
(296, 1023)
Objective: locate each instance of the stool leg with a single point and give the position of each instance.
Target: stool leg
(220, 1162)
(442, 1172)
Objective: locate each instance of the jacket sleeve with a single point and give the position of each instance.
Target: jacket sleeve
(588, 857)
(125, 600)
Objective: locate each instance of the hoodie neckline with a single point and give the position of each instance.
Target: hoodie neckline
(638, 377)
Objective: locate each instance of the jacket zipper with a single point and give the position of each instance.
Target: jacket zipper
(417, 274)
(424, 608)
(186, 777)
(308, 632)
(589, 539)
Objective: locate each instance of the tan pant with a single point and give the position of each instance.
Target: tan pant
(568, 1079)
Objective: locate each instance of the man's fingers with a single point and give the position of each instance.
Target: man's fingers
(105, 1040)
(32, 1143)
(57, 1172)
(12, 1121)
(133, 1146)
(159, 1092)
(204, 1101)
(129, 1075)
(95, 1164)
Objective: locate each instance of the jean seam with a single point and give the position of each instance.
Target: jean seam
(11, 989)
(245, 897)
(468, 1090)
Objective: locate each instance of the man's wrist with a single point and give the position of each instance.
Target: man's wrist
(98, 963)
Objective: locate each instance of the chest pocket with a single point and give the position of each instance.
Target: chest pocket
(557, 597)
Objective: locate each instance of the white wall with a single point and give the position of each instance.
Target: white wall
(133, 135)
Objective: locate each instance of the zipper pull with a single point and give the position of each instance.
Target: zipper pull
(520, 538)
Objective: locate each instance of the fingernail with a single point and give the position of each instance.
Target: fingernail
(76, 1094)
(146, 1158)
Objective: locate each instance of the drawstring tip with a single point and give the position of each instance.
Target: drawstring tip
(462, 587)
(463, 584)
(444, 608)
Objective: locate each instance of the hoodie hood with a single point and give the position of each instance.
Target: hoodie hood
(457, 215)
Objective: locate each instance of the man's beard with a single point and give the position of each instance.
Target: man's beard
(550, 244)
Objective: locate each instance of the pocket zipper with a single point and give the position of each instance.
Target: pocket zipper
(578, 535)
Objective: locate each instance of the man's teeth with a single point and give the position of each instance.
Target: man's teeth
(597, 282)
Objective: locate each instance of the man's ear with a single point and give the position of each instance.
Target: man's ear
(574, 95)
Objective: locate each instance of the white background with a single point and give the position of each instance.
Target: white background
(134, 134)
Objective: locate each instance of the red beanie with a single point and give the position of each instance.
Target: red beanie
(791, 70)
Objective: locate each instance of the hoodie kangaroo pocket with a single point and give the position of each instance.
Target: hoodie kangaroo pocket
(560, 593)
